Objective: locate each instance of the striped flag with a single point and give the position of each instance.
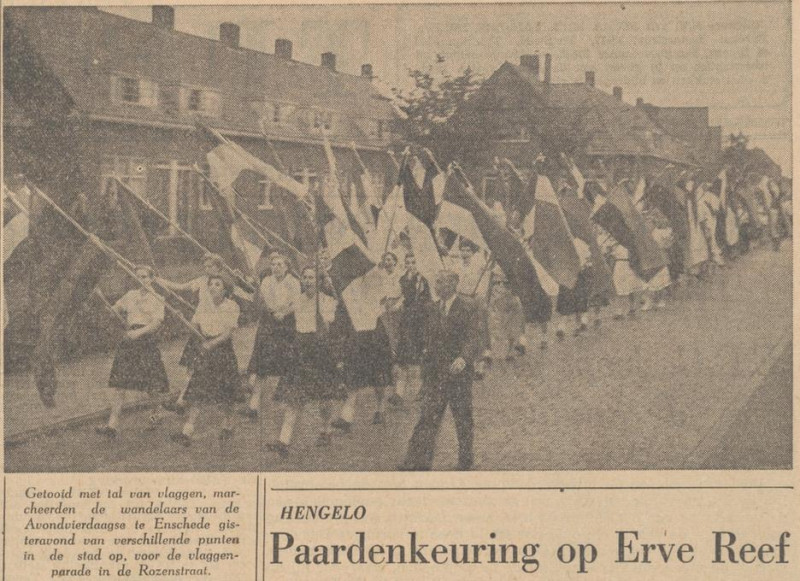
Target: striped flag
(549, 235)
(506, 248)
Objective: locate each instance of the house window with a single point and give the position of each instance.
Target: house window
(195, 100)
(379, 130)
(134, 91)
(265, 200)
(131, 171)
(323, 120)
(129, 90)
(276, 113)
(309, 178)
(201, 101)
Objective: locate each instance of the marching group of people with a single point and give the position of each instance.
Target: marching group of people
(432, 340)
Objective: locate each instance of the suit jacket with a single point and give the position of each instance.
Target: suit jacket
(446, 338)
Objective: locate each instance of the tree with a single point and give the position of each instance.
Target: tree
(435, 96)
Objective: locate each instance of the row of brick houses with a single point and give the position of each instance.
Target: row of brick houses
(137, 91)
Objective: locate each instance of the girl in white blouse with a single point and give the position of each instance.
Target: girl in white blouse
(215, 371)
(137, 364)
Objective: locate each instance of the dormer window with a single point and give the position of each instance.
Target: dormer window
(134, 91)
(323, 120)
(200, 101)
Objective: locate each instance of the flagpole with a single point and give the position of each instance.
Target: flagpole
(109, 306)
(120, 260)
(256, 226)
(402, 165)
(235, 272)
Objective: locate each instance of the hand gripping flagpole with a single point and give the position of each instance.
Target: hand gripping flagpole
(121, 261)
(235, 272)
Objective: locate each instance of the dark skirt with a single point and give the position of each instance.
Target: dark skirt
(575, 300)
(190, 351)
(272, 347)
(368, 359)
(138, 366)
(215, 375)
(312, 375)
(412, 324)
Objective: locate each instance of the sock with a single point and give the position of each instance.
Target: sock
(348, 412)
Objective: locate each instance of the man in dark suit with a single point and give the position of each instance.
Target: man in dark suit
(451, 344)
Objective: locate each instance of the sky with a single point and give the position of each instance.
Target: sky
(733, 57)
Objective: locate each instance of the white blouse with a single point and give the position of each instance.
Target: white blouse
(141, 307)
(280, 295)
(305, 312)
(214, 320)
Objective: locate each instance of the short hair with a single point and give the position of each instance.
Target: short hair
(215, 259)
(227, 284)
(409, 255)
(311, 268)
(390, 253)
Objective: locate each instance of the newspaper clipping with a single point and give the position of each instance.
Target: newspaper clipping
(404, 291)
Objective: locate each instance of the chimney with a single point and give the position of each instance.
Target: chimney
(164, 17)
(329, 61)
(590, 78)
(618, 92)
(530, 61)
(639, 102)
(283, 48)
(366, 70)
(229, 34)
(547, 62)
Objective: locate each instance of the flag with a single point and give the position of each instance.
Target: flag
(577, 211)
(506, 249)
(616, 214)
(242, 240)
(348, 256)
(362, 297)
(638, 193)
(334, 196)
(550, 237)
(228, 159)
(15, 229)
(518, 198)
(418, 196)
(460, 221)
(666, 197)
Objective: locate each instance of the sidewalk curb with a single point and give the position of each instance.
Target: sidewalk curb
(74, 422)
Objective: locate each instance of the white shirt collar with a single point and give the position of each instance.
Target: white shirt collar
(449, 303)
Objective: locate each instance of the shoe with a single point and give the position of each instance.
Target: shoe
(488, 361)
(106, 431)
(279, 448)
(560, 334)
(377, 418)
(343, 425)
(395, 400)
(618, 316)
(182, 438)
(249, 413)
(175, 407)
(661, 305)
(582, 328)
(597, 323)
(520, 349)
(464, 466)
(543, 345)
(225, 434)
(646, 307)
(323, 440)
(509, 358)
(632, 314)
(479, 376)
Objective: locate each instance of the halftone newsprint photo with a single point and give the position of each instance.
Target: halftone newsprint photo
(484, 250)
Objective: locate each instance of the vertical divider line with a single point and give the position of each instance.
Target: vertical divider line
(258, 488)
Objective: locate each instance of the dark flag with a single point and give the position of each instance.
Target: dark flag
(617, 215)
(506, 249)
(418, 195)
(578, 212)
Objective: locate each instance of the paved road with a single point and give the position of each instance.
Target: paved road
(702, 384)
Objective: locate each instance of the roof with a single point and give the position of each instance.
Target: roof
(610, 126)
(85, 47)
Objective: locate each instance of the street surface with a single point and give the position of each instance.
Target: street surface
(705, 383)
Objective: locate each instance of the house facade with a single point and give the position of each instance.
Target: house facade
(132, 94)
(523, 113)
